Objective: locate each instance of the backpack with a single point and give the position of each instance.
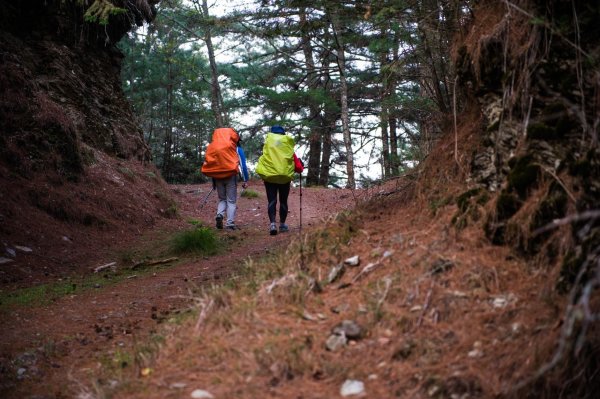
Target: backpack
(221, 160)
(276, 164)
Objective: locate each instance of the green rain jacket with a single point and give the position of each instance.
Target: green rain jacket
(276, 164)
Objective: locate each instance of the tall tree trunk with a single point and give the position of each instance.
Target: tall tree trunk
(328, 119)
(198, 147)
(150, 131)
(393, 123)
(385, 147)
(216, 99)
(429, 25)
(328, 123)
(394, 156)
(447, 29)
(435, 78)
(384, 115)
(314, 154)
(341, 63)
(166, 166)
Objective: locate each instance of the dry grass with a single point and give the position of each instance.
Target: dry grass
(467, 329)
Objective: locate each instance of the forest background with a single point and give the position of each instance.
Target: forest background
(361, 86)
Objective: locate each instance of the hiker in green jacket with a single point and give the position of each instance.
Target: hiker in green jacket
(276, 166)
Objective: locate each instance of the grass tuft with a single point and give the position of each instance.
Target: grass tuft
(249, 193)
(201, 240)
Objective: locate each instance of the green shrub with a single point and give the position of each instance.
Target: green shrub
(200, 240)
(249, 193)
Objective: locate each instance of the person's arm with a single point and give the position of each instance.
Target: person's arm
(243, 167)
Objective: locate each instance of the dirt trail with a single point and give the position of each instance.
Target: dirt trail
(50, 350)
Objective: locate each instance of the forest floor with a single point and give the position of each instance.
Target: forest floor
(75, 322)
(441, 312)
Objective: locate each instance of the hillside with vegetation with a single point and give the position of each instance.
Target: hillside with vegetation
(469, 268)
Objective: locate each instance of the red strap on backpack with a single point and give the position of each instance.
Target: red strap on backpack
(298, 165)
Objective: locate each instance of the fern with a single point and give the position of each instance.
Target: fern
(101, 10)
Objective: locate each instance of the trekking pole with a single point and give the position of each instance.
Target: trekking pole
(214, 185)
(206, 198)
(301, 239)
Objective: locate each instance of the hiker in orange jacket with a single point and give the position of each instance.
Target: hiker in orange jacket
(225, 159)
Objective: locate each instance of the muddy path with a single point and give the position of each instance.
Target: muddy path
(59, 349)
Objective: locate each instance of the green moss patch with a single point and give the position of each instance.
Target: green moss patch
(586, 166)
(524, 175)
(463, 200)
(541, 131)
(552, 207)
(468, 204)
(507, 205)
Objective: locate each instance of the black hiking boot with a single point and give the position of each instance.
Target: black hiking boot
(273, 229)
(219, 220)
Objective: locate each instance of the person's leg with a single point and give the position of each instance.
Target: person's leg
(284, 192)
(222, 204)
(231, 192)
(271, 189)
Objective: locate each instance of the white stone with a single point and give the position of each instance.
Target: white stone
(500, 302)
(433, 390)
(475, 353)
(308, 316)
(178, 385)
(201, 394)
(23, 249)
(335, 342)
(353, 261)
(352, 387)
(516, 328)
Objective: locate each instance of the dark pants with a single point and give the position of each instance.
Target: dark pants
(284, 191)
